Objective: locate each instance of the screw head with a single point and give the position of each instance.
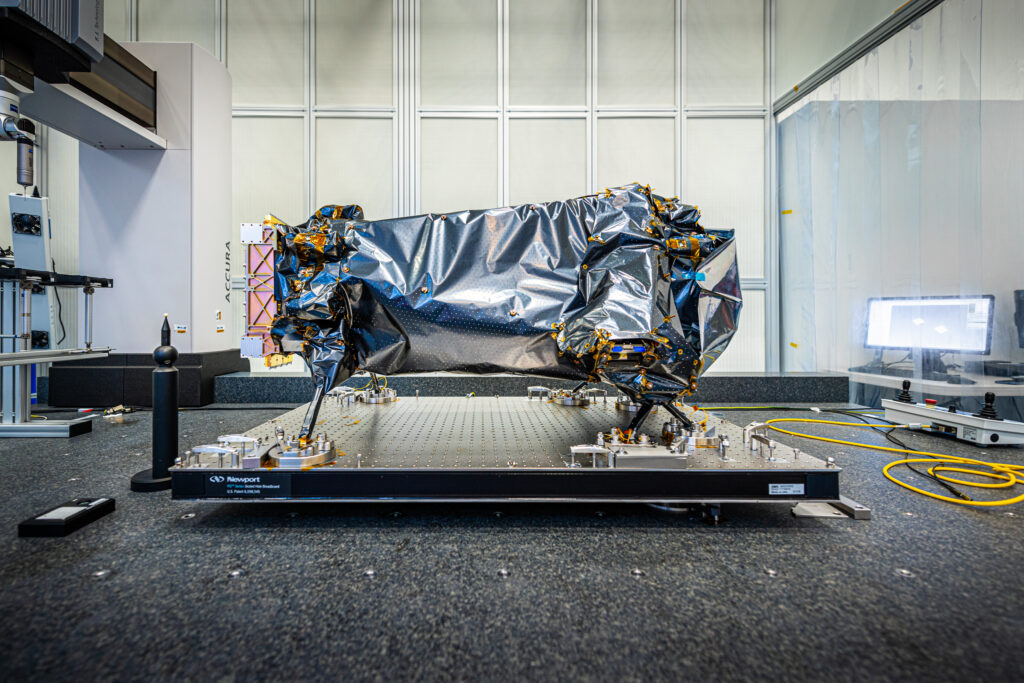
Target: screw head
(236, 573)
(369, 573)
(770, 572)
(188, 515)
(905, 573)
(638, 572)
(503, 573)
(102, 574)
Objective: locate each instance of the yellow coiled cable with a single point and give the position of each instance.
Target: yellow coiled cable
(1008, 474)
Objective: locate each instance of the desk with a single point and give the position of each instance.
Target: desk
(937, 388)
(869, 389)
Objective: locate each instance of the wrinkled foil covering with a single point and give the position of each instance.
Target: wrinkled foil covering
(623, 286)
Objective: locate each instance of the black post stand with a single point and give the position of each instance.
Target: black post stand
(165, 417)
(677, 414)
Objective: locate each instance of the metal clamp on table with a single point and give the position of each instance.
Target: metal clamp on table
(16, 354)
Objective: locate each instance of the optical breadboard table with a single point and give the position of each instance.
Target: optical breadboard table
(473, 449)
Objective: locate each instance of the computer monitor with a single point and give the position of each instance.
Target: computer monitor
(931, 325)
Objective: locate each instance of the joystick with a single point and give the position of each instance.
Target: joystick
(904, 396)
(989, 411)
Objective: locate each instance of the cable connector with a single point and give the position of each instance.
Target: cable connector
(915, 425)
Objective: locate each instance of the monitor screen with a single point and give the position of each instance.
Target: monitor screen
(958, 324)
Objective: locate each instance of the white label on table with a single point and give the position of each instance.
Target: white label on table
(785, 489)
(60, 513)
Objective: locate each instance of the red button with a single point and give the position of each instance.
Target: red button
(930, 401)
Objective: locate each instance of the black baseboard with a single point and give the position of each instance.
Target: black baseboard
(763, 387)
(126, 378)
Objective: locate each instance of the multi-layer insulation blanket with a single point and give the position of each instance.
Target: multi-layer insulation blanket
(623, 286)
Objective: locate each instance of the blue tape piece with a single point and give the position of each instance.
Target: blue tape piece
(699, 277)
(636, 349)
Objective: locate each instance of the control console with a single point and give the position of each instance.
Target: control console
(984, 428)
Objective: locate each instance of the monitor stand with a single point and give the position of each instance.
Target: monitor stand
(874, 366)
(931, 364)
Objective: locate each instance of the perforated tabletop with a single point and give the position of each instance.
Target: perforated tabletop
(491, 432)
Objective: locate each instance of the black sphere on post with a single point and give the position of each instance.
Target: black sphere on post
(165, 417)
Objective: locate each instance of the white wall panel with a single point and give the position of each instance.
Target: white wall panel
(1002, 53)
(354, 53)
(267, 170)
(267, 173)
(893, 79)
(458, 164)
(355, 164)
(1002, 177)
(548, 159)
(636, 62)
(115, 19)
(189, 21)
(455, 160)
(266, 51)
(62, 189)
(724, 52)
(637, 149)
(458, 52)
(924, 161)
(942, 66)
(725, 178)
(811, 32)
(746, 351)
(548, 52)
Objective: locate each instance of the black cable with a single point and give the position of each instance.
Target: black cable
(60, 310)
(99, 411)
(888, 434)
(240, 407)
(896, 362)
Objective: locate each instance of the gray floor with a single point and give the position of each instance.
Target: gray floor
(178, 590)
